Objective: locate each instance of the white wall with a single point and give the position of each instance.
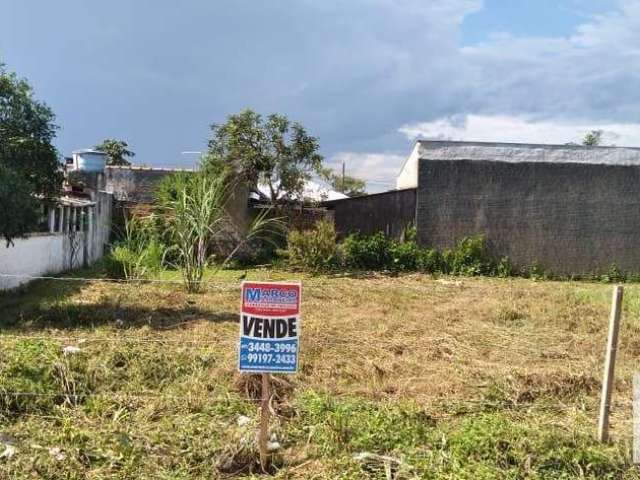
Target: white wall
(38, 254)
(408, 177)
(50, 253)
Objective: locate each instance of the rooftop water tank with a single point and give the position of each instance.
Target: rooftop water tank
(89, 160)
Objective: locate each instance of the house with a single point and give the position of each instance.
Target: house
(133, 189)
(73, 231)
(312, 192)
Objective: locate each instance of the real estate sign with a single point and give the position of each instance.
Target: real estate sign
(269, 327)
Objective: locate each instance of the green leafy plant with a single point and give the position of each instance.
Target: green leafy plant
(534, 271)
(370, 252)
(614, 275)
(19, 212)
(469, 257)
(504, 268)
(314, 249)
(404, 256)
(350, 186)
(195, 217)
(139, 254)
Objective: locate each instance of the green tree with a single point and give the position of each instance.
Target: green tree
(117, 151)
(272, 151)
(592, 138)
(29, 162)
(350, 186)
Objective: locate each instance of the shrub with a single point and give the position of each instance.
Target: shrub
(313, 249)
(125, 262)
(614, 275)
(470, 257)
(534, 271)
(139, 254)
(377, 252)
(504, 268)
(367, 252)
(429, 260)
(404, 256)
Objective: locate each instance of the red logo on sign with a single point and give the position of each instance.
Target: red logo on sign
(270, 299)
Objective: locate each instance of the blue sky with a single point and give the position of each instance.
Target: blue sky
(366, 76)
(542, 18)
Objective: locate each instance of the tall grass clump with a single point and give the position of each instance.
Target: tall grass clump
(138, 254)
(196, 220)
(193, 218)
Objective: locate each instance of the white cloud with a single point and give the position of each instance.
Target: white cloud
(351, 72)
(504, 128)
(592, 73)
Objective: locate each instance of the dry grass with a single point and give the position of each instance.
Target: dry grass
(452, 347)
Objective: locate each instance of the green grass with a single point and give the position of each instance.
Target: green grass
(407, 376)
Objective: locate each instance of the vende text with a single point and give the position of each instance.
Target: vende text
(259, 327)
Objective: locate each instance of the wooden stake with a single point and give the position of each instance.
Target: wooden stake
(636, 418)
(610, 364)
(264, 423)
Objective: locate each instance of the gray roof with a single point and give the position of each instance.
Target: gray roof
(526, 152)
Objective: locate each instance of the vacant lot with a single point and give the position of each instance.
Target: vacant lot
(401, 377)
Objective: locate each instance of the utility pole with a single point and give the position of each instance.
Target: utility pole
(343, 176)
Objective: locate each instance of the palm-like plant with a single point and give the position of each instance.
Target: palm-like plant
(196, 216)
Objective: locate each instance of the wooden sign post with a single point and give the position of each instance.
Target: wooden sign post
(263, 437)
(269, 341)
(610, 364)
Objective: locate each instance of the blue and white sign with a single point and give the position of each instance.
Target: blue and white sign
(269, 327)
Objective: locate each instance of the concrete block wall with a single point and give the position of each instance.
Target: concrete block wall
(571, 218)
(389, 212)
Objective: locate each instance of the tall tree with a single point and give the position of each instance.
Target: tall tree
(273, 151)
(29, 162)
(350, 186)
(592, 138)
(117, 151)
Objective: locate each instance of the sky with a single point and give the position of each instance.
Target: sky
(367, 77)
